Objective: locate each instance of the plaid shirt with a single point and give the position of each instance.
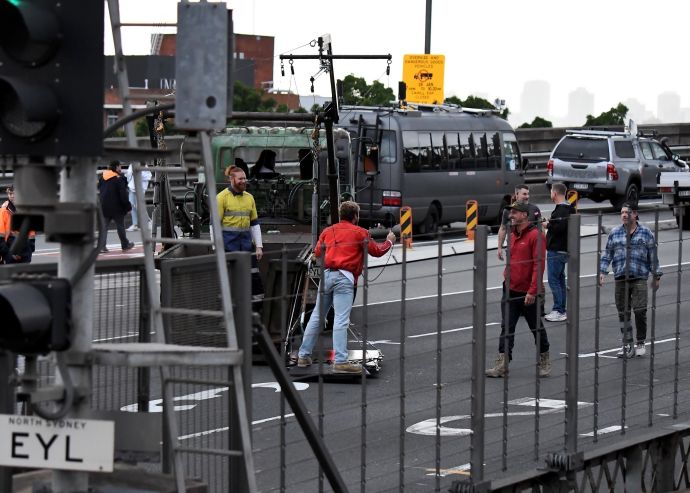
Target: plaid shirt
(643, 255)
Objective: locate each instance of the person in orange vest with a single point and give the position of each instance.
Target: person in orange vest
(8, 236)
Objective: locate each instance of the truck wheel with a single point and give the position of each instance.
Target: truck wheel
(632, 195)
(686, 218)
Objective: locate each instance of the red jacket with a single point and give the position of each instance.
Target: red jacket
(526, 263)
(345, 247)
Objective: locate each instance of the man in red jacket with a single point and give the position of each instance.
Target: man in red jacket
(344, 245)
(521, 298)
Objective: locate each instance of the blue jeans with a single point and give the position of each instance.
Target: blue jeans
(338, 291)
(555, 266)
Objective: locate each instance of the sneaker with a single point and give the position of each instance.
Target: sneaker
(304, 361)
(104, 250)
(128, 246)
(555, 316)
(133, 227)
(347, 367)
(640, 349)
(628, 351)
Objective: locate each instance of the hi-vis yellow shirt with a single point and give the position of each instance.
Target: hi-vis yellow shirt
(237, 212)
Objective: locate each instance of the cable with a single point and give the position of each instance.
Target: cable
(67, 401)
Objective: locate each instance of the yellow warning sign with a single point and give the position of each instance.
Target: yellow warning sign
(423, 75)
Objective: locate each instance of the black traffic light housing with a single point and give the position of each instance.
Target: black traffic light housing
(51, 77)
(36, 315)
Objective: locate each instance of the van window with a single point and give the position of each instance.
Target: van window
(467, 161)
(411, 152)
(582, 148)
(438, 155)
(453, 147)
(425, 151)
(388, 152)
(511, 152)
(624, 148)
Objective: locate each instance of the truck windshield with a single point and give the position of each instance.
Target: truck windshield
(582, 148)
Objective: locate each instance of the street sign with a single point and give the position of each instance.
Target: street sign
(69, 444)
(423, 75)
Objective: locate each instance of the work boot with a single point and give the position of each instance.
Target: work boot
(303, 361)
(628, 351)
(499, 370)
(544, 364)
(347, 367)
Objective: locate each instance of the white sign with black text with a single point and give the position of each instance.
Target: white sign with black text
(70, 444)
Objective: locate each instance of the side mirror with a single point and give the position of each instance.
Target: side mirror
(525, 164)
(675, 157)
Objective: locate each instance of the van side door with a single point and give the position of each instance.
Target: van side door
(649, 167)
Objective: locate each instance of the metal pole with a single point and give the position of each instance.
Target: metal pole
(427, 28)
(478, 352)
(6, 407)
(597, 321)
(121, 69)
(650, 414)
(403, 326)
(572, 344)
(439, 362)
(679, 285)
(78, 185)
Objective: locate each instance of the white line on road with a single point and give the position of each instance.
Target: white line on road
(605, 352)
(225, 428)
(447, 331)
(468, 291)
(603, 431)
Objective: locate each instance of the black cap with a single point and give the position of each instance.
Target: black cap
(519, 206)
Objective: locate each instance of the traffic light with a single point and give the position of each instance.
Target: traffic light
(51, 77)
(35, 315)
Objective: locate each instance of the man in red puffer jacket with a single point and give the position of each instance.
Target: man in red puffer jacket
(343, 264)
(522, 298)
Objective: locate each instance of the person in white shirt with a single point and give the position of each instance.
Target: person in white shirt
(145, 178)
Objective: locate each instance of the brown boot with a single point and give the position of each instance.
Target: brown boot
(544, 364)
(499, 370)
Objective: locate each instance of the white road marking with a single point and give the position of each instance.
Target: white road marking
(545, 403)
(603, 431)
(156, 405)
(448, 331)
(463, 469)
(226, 428)
(605, 352)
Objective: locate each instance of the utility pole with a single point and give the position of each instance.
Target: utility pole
(427, 30)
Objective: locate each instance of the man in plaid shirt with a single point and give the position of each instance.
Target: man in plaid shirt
(631, 248)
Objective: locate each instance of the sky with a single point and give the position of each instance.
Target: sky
(615, 49)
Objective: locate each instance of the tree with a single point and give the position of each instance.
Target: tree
(356, 91)
(283, 108)
(247, 98)
(300, 110)
(476, 103)
(538, 122)
(315, 108)
(614, 116)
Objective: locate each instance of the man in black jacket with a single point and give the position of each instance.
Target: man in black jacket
(115, 201)
(557, 251)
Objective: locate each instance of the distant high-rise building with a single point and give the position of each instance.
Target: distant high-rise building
(535, 100)
(668, 107)
(580, 104)
(638, 112)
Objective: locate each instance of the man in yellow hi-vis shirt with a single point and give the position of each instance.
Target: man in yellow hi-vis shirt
(240, 224)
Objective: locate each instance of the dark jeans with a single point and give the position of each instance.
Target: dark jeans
(120, 225)
(636, 291)
(514, 304)
(242, 242)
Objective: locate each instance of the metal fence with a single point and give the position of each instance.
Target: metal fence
(431, 420)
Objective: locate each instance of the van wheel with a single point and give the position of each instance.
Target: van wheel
(429, 228)
(632, 195)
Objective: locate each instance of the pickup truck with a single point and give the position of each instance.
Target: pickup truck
(674, 188)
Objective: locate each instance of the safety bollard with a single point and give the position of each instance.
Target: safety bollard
(572, 196)
(471, 208)
(406, 226)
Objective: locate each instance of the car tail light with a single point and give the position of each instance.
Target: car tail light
(392, 198)
(665, 189)
(611, 173)
(549, 167)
